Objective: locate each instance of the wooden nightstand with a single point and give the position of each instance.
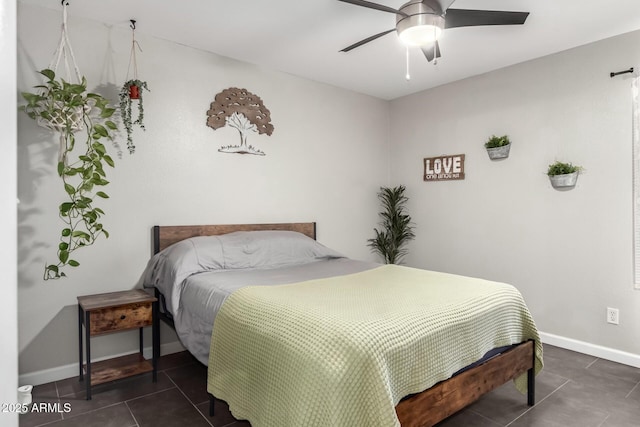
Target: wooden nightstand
(115, 312)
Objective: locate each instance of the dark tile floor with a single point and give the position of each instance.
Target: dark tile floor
(573, 390)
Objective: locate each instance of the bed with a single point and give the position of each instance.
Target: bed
(289, 344)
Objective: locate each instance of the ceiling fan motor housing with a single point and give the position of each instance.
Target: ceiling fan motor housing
(423, 20)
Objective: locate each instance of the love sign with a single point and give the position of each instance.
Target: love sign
(444, 168)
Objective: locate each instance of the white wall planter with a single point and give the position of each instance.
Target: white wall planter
(564, 181)
(496, 153)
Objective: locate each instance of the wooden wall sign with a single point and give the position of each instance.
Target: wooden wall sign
(444, 168)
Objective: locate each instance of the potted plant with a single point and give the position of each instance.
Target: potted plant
(130, 91)
(498, 147)
(83, 170)
(563, 175)
(396, 227)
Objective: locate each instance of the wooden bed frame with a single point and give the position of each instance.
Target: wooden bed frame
(423, 409)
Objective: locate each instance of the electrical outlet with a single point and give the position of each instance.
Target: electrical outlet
(613, 316)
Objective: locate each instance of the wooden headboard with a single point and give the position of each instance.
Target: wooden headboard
(164, 236)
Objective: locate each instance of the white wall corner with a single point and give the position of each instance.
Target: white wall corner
(592, 349)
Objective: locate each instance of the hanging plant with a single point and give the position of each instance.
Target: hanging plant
(132, 91)
(127, 94)
(81, 174)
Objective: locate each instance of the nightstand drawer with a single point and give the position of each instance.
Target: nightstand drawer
(112, 319)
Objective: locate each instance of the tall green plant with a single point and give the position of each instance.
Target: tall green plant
(396, 226)
(67, 108)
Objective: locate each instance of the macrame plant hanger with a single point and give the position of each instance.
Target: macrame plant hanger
(63, 119)
(134, 90)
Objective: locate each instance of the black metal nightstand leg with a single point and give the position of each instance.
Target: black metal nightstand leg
(80, 349)
(87, 330)
(155, 338)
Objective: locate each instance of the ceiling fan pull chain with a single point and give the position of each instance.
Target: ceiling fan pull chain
(407, 76)
(435, 47)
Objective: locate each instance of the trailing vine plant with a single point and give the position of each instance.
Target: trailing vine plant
(396, 226)
(126, 110)
(68, 108)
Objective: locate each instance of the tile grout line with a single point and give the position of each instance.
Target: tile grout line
(533, 407)
(483, 417)
(189, 400)
(591, 364)
(135, 420)
(632, 390)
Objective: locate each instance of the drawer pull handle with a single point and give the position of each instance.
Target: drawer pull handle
(122, 317)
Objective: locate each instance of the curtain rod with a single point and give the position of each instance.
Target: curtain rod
(630, 70)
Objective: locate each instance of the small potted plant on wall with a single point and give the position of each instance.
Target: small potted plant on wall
(132, 91)
(563, 175)
(498, 147)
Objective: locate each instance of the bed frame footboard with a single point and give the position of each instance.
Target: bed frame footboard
(448, 397)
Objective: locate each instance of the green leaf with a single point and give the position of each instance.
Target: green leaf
(73, 263)
(63, 246)
(102, 194)
(107, 112)
(48, 74)
(108, 160)
(100, 130)
(65, 208)
(60, 168)
(81, 234)
(63, 256)
(70, 189)
(111, 125)
(66, 232)
(99, 147)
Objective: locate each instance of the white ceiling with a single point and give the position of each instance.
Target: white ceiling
(304, 37)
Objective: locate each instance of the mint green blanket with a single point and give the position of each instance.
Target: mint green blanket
(343, 351)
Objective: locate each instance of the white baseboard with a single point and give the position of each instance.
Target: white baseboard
(592, 349)
(68, 371)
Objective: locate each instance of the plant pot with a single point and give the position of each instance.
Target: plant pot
(499, 152)
(134, 92)
(564, 180)
(61, 117)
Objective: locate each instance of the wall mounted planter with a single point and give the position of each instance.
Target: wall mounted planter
(496, 153)
(567, 180)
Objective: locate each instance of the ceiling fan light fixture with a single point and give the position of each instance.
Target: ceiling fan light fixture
(420, 35)
(420, 29)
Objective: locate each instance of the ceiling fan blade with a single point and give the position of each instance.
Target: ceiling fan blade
(471, 18)
(375, 6)
(367, 40)
(431, 51)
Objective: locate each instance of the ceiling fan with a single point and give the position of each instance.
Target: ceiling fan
(420, 23)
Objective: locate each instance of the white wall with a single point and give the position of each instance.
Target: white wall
(569, 252)
(9, 313)
(324, 163)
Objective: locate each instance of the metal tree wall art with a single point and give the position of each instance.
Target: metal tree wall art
(244, 111)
